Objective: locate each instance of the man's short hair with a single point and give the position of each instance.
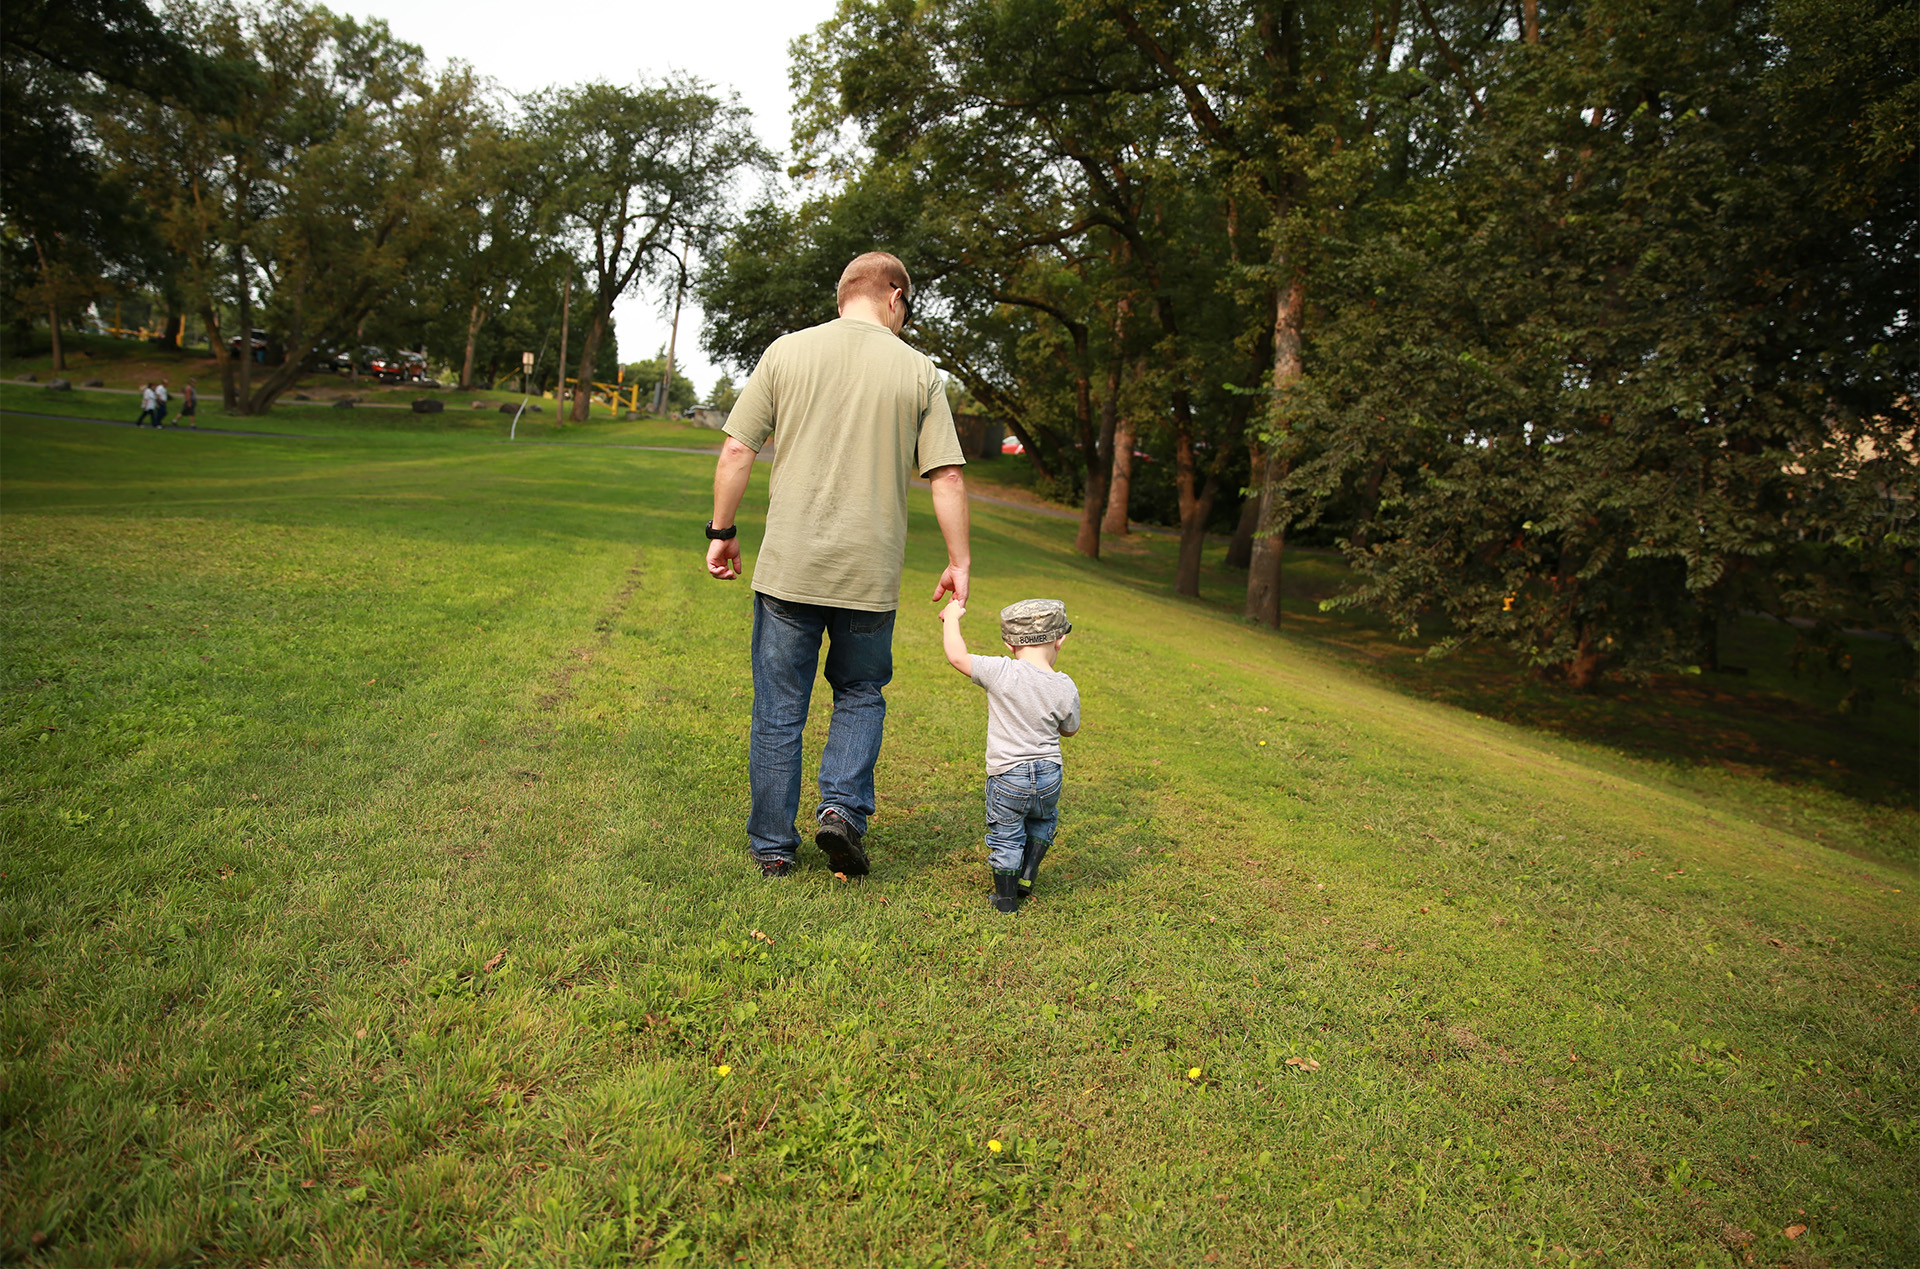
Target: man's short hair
(873, 275)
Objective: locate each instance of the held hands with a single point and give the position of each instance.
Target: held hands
(723, 559)
(954, 581)
(954, 611)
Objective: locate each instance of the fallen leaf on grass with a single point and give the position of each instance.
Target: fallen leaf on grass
(1793, 1231)
(841, 876)
(763, 938)
(494, 964)
(723, 1178)
(1305, 1064)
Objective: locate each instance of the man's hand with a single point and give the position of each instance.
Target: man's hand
(729, 483)
(723, 559)
(953, 582)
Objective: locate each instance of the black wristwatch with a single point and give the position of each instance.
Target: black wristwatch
(721, 535)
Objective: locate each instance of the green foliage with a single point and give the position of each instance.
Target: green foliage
(1619, 372)
(1583, 344)
(681, 394)
(723, 394)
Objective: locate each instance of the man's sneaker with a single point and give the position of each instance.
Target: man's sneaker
(842, 844)
(1006, 891)
(772, 868)
(1030, 859)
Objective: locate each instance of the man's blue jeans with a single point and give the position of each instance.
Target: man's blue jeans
(1023, 805)
(786, 651)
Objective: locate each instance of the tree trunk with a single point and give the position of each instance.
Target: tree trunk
(1369, 502)
(170, 331)
(1263, 568)
(1120, 482)
(291, 365)
(1240, 550)
(1707, 635)
(245, 392)
(1530, 19)
(474, 318)
(210, 318)
(1583, 670)
(278, 380)
(596, 331)
(566, 310)
(1196, 504)
(1100, 470)
(53, 309)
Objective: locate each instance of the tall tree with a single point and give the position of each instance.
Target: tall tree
(324, 176)
(61, 208)
(1632, 362)
(1053, 186)
(639, 178)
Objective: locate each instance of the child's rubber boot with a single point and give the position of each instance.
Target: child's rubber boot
(1006, 891)
(1030, 865)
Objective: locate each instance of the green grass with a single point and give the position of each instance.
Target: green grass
(374, 893)
(296, 418)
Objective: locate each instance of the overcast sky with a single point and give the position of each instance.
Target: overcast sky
(737, 45)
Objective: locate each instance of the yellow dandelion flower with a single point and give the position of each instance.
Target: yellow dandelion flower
(724, 1071)
(1193, 1072)
(995, 1146)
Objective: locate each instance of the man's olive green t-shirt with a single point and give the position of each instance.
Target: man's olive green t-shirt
(853, 412)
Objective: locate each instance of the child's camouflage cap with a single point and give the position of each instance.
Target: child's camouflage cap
(1033, 621)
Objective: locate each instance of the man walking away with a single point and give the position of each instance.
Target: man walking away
(852, 412)
(146, 405)
(160, 404)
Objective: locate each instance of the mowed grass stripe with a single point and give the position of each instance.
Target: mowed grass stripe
(464, 771)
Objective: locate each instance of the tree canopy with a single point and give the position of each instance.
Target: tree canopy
(1577, 330)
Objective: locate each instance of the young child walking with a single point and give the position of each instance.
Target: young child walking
(1030, 705)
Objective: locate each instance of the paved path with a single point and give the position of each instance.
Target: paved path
(171, 427)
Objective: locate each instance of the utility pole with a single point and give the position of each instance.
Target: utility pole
(673, 337)
(560, 389)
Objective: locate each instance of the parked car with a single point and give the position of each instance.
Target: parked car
(259, 343)
(400, 367)
(342, 361)
(1012, 445)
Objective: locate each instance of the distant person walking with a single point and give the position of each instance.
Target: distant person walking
(160, 404)
(147, 403)
(852, 412)
(189, 401)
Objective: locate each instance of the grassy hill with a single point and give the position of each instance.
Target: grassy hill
(374, 891)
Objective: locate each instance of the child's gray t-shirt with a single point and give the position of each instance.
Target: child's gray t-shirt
(1027, 709)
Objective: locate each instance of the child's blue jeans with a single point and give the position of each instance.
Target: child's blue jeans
(1022, 805)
